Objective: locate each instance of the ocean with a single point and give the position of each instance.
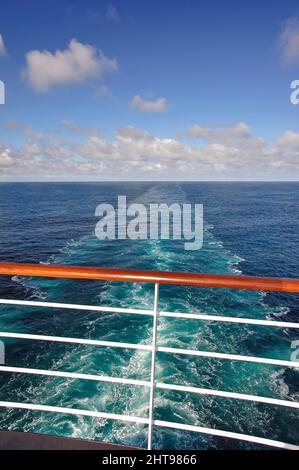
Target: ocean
(249, 229)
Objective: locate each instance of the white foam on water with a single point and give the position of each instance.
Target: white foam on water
(135, 399)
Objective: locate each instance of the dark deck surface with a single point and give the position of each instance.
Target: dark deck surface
(28, 441)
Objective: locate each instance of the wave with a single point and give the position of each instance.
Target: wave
(161, 255)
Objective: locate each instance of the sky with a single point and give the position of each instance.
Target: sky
(149, 90)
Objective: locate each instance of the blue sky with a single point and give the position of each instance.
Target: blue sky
(181, 90)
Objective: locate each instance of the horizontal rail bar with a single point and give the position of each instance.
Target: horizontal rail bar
(231, 435)
(73, 411)
(246, 321)
(232, 357)
(92, 308)
(144, 347)
(223, 394)
(187, 316)
(62, 339)
(159, 385)
(73, 375)
(161, 277)
(135, 419)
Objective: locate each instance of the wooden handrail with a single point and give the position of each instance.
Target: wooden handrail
(161, 277)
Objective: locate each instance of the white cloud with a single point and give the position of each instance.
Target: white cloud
(239, 135)
(158, 106)
(240, 130)
(288, 42)
(5, 157)
(288, 139)
(198, 131)
(75, 64)
(3, 51)
(85, 153)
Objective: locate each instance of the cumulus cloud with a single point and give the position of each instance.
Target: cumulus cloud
(240, 130)
(289, 139)
(288, 41)
(3, 51)
(75, 64)
(85, 153)
(239, 135)
(158, 106)
(5, 157)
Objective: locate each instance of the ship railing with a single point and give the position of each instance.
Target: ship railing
(157, 278)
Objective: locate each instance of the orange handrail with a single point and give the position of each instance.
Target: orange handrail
(161, 277)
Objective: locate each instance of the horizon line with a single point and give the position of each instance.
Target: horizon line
(149, 181)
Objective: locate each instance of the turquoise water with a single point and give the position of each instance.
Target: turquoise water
(249, 228)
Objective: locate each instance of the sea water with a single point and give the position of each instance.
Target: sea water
(249, 228)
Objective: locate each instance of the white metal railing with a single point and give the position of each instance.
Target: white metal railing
(152, 384)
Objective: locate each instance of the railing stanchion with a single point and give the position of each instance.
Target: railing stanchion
(153, 367)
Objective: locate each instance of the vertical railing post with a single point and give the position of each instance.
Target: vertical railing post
(153, 367)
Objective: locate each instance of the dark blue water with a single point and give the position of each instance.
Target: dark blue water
(250, 228)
